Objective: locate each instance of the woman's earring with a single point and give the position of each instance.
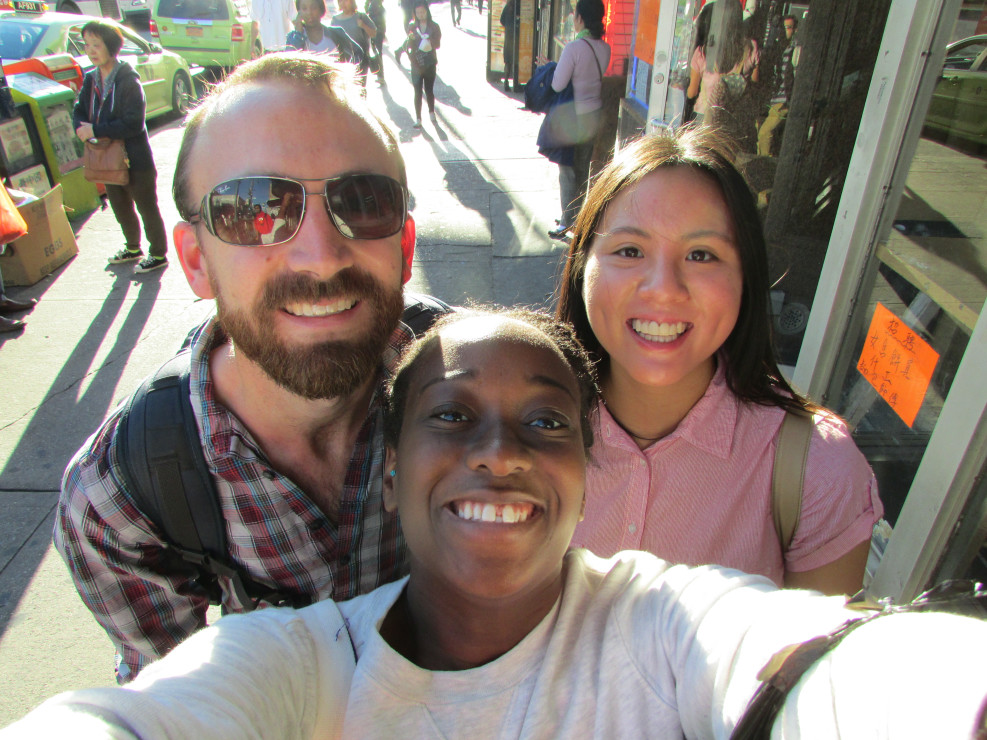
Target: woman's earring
(393, 473)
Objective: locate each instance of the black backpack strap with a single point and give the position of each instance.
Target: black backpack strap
(165, 472)
(421, 311)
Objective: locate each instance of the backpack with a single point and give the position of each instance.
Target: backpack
(163, 468)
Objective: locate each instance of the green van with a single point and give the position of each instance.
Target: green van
(211, 33)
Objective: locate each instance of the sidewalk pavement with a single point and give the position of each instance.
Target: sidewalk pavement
(483, 200)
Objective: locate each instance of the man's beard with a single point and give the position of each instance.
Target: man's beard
(326, 369)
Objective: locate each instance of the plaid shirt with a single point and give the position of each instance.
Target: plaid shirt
(275, 532)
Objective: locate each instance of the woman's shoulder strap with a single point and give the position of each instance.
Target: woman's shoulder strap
(599, 67)
(788, 474)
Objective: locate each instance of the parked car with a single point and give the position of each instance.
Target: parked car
(117, 9)
(959, 102)
(211, 33)
(166, 78)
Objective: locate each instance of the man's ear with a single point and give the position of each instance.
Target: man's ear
(390, 468)
(407, 248)
(193, 263)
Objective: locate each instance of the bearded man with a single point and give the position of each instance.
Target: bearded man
(286, 380)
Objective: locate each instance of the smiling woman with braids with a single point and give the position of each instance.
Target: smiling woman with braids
(501, 631)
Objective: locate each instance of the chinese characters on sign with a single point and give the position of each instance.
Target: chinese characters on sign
(898, 363)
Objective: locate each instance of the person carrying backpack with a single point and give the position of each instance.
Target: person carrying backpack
(272, 455)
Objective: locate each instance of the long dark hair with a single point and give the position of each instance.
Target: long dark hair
(703, 21)
(727, 39)
(752, 372)
(414, 17)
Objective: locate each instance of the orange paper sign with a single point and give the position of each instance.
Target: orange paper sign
(898, 363)
(647, 30)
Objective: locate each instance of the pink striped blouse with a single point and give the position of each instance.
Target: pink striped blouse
(703, 494)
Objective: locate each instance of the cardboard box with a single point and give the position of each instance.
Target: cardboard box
(48, 244)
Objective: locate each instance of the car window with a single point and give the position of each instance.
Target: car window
(216, 10)
(74, 44)
(18, 39)
(133, 44)
(962, 56)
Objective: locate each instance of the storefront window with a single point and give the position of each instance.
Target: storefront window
(563, 31)
(788, 82)
(926, 290)
(683, 46)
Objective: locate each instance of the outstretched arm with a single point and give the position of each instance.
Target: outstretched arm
(270, 674)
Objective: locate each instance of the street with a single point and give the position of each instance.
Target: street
(483, 200)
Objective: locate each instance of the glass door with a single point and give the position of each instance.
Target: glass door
(909, 376)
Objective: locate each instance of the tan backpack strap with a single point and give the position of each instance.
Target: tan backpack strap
(788, 474)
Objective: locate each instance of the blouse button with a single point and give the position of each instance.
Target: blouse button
(632, 528)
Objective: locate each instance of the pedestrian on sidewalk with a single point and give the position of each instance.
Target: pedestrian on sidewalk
(424, 36)
(311, 34)
(582, 62)
(358, 27)
(509, 20)
(375, 9)
(111, 104)
(456, 11)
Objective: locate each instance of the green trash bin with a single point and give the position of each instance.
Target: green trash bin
(51, 106)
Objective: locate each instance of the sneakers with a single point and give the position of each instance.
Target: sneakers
(417, 124)
(126, 255)
(150, 263)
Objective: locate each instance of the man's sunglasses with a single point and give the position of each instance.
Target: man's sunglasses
(262, 210)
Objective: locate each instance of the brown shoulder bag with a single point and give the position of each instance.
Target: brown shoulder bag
(105, 160)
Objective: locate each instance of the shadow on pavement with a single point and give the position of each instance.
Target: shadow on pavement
(59, 426)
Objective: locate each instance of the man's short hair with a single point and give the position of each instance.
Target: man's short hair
(310, 73)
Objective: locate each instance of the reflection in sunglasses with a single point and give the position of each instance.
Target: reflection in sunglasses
(251, 211)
